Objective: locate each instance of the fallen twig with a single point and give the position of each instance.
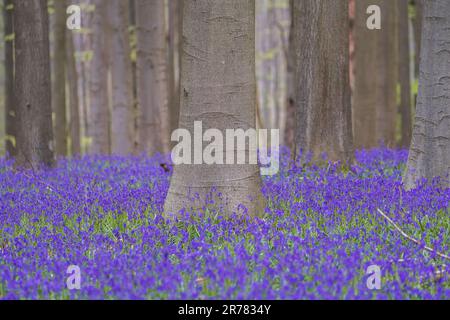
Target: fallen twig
(442, 255)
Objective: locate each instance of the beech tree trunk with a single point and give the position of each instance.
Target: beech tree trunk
(404, 72)
(10, 108)
(218, 87)
(152, 84)
(429, 154)
(32, 84)
(122, 82)
(74, 105)
(376, 73)
(98, 82)
(322, 85)
(59, 77)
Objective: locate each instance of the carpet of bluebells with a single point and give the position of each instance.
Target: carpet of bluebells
(317, 237)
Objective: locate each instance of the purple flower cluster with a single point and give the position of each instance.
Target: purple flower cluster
(319, 233)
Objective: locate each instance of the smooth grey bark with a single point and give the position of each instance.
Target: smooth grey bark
(32, 84)
(218, 87)
(404, 72)
(152, 83)
(122, 91)
(99, 117)
(376, 73)
(74, 105)
(322, 84)
(10, 109)
(429, 154)
(59, 77)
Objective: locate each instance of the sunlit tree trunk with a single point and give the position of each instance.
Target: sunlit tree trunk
(59, 77)
(376, 73)
(218, 87)
(429, 154)
(322, 87)
(122, 91)
(98, 82)
(152, 84)
(74, 105)
(32, 84)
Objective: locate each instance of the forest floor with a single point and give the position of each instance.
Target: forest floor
(319, 234)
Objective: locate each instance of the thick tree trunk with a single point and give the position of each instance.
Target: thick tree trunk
(175, 19)
(323, 110)
(375, 103)
(429, 154)
(59, 77)
(218, 87)
(404, 72)
(74, 105)
(10, 109)
(98, 82)
(122, 82)
(32, 84)
(152, 84)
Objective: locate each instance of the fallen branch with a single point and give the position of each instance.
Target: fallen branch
(442, 255)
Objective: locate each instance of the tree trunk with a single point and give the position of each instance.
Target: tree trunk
(59, 77)
(404, 72)
(152, 87)
(98, 82)
(289, 131)
(122, 82)
(323, 110)
(429, 154)
(74, 106)
(132, 18)
(175, 16)
(10, 109)
(32, 84)
(375, 105)
(417, 23)
(218, 87)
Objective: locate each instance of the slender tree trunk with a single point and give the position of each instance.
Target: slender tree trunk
(122, 82)
(404, 72)
(429, 154)
(10, 109)
(32, 84)
(98, 82)
(74, 105)
(290, 105)
(59, 77)
(152, 87)
(417, 23)
(132, 12)
(218, 87)
(175, 19)
(375, 103)
(323, 111)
